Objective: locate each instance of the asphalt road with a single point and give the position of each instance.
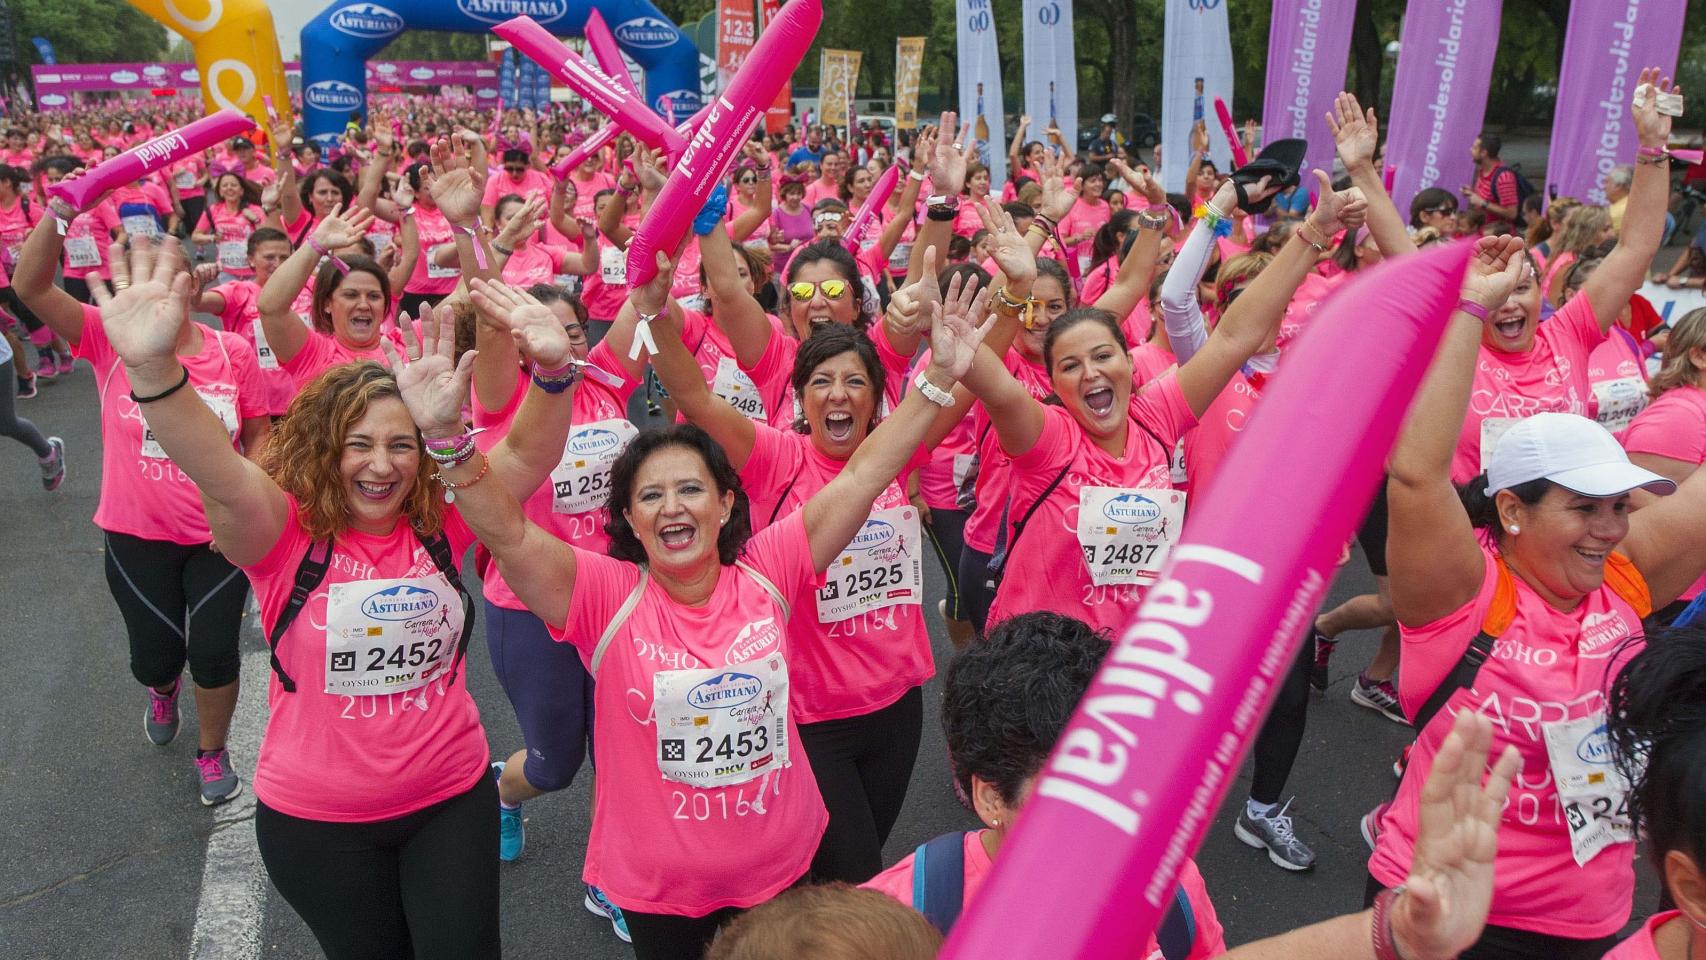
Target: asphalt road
(104, 849)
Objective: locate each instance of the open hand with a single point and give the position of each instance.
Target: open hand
(1497, 267)
(1356, 133)
(341, 229)
(948, 165)
(1006, 244)
(151, 303)
(959, 328)
(537, 332)
(433, 384)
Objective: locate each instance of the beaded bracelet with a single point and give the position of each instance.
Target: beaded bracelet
(451, 486)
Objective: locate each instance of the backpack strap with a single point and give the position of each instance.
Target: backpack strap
(781, 499)
(1178, 930)
(1625, 580)
(1497, 620)
(998, 562)
(309, 575)
(770, 588)
(939, 880)
(438, 547)
(623, 612)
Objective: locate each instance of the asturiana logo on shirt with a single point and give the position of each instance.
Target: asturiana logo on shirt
(401, 602)
(726, 690)
(1601, 633)
(753, 639)
(873, 534)
(1131, 508)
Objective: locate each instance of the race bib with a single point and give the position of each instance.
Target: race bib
(1594, 793)
(390, 636)
(880, 568)
(1125, 534)
(183, 179)
(732, 384)
(581, 481)
(436, 272)
(380, 241)
(263, 350)
(1492, 429)
(223, 405)
(613, 266)
(141, 225)
(233, 254)
(1619, 401)
(82, 252)
(724, 726)
(1176, 465)
(900, 258)
(965, 473)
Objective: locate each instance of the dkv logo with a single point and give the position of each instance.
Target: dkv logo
(725, 690)
(332, 95)
(646, 32)
(1131, 508)
(367, 20)
(401, 602)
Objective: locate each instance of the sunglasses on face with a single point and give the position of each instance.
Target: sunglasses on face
(1447, 210)
(804, 291)
(743, 181)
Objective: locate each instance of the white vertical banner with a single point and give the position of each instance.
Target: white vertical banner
(980, 85)
(1051, 69)
(1196, 57)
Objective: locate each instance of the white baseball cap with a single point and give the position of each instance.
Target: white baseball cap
(1571, 451)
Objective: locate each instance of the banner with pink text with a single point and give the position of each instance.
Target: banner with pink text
(1309, 42)
(1439, 97)
(1605, 48)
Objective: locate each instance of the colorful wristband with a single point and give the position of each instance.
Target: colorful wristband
(1472, 308)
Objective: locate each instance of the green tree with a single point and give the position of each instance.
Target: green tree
(88, 31)
(434, 45)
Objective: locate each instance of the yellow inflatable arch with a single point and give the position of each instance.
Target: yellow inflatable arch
(236, 51)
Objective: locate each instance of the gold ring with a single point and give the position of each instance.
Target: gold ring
(120, 284)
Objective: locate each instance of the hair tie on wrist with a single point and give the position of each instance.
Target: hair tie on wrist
(174, 388)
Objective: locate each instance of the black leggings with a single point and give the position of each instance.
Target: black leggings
(975, 595)
(78, 288)
(179, 602)
(863, 765)
(663, 936)
(14, 426)
(1282, 734)
(1508, 943)
(424, 885)
(14, 305)
(947, 533)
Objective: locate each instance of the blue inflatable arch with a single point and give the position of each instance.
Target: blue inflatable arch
(337, 43)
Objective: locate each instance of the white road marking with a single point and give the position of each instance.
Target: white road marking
(233, 889)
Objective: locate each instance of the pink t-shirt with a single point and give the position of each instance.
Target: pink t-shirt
(356, 759)
(606, 289)
(322, 351)
(1551, 377)
(428, 278)
(87, 238)
(143, 493)
(710, 346)
(1673, 426)
(951, 468)
(598, 415)
(15, 227)
(1550, 665)
(1640, 945)
(1050, 539)
(533, 183)
(533, 263)
(187, 174)
(1085, 216)
(1617, 375)
(232, 228)
(1206, 446)
(586, 192)
(818, 190)
(659, 845)
(853, 666)
(242, 317)
(897, 882)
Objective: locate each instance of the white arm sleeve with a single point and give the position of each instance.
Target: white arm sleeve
(1182, 316)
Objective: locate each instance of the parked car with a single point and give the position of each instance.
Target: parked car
(1143, 133)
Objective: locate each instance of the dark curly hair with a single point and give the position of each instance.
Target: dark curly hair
(1656, 721)
(624, 543)
(1007, 697)
(828, 341)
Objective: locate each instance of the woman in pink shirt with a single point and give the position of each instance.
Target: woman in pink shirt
(704, 806)
(1519, 600)
(352, 300)
(966, 222)
(87, 235)
(237, 304)
(372, 785)
(228, 221)
(1669, 436)
(1654, 726)
(180, 597)
(532, 260)
(1078, 228)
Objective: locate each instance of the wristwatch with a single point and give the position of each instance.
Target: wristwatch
(943, 201)
(1151, 221)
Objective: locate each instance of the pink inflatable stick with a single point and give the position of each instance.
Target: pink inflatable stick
(590, 82)
(145, 158)
(1239, 157)
(873, 205)
(605, 51)
(1139, 772)
(586, 148)
(716, 144)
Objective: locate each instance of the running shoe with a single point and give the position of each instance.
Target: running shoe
(219, 780)
(26, 387)
(512, 834)
(1379, 696)
(47, 366)
(67, 362)
(160, 723)
(1369, 825)
(1274, 835)
(53, 468)
(599, 905)
(1403, 761)
(1323, 652)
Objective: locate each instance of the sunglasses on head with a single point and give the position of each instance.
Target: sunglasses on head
(804, 291)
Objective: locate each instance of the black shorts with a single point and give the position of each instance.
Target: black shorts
(1372, 534)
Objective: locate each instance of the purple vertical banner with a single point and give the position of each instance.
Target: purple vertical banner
(1445, 67)
(1309, 43)
(1605, 48)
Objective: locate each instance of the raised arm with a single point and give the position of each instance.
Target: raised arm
(1131, 284)
(762, 197)
(407, 249)
(1624, 269)
(1664, 539)
(245, 508)
(1356, 135)
(289, 197)
(285, 331)
(1433, 553)
(734, 310)
(33, 278)
(835, 513)
(896, 227)
(1018, 144)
